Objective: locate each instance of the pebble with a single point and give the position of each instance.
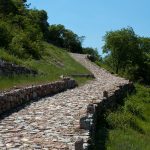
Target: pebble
(53, 122)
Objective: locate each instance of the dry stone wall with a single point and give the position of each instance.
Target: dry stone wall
(88, 121)
(10, 69)
(9, 100)
(65, 121)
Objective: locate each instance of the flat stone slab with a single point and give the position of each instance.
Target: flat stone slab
(53, 123)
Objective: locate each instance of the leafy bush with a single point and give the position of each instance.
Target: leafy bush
(5, 36)
(22, 30)
(93, 54)
(24, 45)
(7, 7)
(65, 38)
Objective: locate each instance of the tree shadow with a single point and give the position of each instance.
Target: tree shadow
(108, 105)
(101, 135)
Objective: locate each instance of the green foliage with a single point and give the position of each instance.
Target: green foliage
(145, 65)
(22, 31)
(39, 20)
(56, 34)
(26, 45)
(20, 5)
(29, 28)
(128, 54)
(65, 38)
(94, 55)
(5, 36)
(122, 45)
(6, 7)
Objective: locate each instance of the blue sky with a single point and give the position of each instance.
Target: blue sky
(92, 18)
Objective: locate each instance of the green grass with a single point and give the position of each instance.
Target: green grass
(105, 66)
(127, 128)
(54, 62)
(7, 57)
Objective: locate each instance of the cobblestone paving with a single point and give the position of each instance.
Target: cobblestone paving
(53, 123)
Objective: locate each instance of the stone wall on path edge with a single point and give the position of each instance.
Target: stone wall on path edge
(14, 98)
(88, 122)
(9, 69)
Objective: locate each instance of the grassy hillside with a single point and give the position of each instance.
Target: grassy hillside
(24, 37)
(127, 128)
(54, 62)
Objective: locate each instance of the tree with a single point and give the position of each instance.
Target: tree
(145, 64)
(39, 20)
(20, 4)
(94, 55)
(56, 33)
(65, 38)
(123, 48)
(5, 36)
(72, 42)
(145, 44)
(6, 7)
(128, 54)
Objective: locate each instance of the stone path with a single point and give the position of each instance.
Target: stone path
(53, 123)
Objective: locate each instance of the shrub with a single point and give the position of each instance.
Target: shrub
(5, 36)
(23, 47)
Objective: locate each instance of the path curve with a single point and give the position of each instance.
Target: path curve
(53, 122)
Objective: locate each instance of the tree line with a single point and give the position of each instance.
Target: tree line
(128, 54)
(23, 31)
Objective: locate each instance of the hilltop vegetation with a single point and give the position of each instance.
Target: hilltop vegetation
(27, 39)
(128, 54)
(23, 30)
